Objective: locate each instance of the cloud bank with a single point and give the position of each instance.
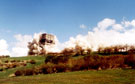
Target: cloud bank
(4, 47)
(20, 46)
(106, 33)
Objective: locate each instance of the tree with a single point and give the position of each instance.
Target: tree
(89, 50)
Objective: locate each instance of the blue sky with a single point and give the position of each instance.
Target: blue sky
(60, 17)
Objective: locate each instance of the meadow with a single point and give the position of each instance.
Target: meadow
(108, 76)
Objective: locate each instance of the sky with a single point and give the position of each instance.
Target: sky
(21, 19)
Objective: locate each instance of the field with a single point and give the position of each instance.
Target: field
(110, 76)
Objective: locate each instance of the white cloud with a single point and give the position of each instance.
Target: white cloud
(4, 47)
(20, 48)
(117, 27)
(57, 47)
(21, 45)
(104, 24)
(129, 23)
(83, 26)
(106, 33)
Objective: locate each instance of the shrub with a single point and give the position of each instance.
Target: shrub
(13, 61)
(89, 51)
(58, 64)
(1, 69)
(25, 72)
(24, 64)
(14, 66)
(19, 72)
(130, 60)
(78, 64)
(119, 61)
(37, 70)
(28, 72)
(32, 62)
(68, 52)
(49, 59)
(58, 59)
(61, 59)
(92, 62)
(46, 68)
(104, 64)
(6, 61)
(112, 62)
(61, 68)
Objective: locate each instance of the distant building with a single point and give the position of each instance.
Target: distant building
(46, 39)
(38, 47)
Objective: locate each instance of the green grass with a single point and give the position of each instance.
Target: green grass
(116, 76)
(39, 60)
(112, 76)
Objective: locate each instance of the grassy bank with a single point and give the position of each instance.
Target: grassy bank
(39, 60)
(114, 76)
(109, 76)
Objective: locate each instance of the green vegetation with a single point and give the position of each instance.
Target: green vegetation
(109, 76)
(39, 60)
(112, 76)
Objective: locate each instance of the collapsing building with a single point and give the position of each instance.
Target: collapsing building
(37, 46)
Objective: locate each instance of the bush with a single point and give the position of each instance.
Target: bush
(105, 62)
(19, 72)
(6, 61)
(112, 62)
(130, 60)
(61, 59)
(61, 68)
(68, 52)
(118, 61)
(1, 69)
(53, 68)
(57, 60)
(78, 64)
(25, 72)
(24, 64)
(28, 72)
(13, 61)
(46, 68)
(37, 70)
(89, 51)
(32, 62)
(49, 59)
(14, 65)
(63, 64)
(92, 62)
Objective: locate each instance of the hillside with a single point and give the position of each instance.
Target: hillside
(109, 76)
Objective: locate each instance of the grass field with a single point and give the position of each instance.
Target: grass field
(117, 76)
(111, 76)
(39, 60)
